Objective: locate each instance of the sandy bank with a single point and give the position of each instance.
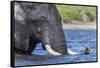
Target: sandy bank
(80, 26)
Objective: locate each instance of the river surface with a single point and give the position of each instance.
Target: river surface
(77, 40)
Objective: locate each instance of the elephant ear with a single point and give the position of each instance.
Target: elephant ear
(56, 33)
(53, 38)
(57, 39)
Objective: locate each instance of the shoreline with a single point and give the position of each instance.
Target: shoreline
(88, 26)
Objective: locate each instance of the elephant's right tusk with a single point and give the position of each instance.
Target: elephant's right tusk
(85, 52)
(51, 51)
(70, 52)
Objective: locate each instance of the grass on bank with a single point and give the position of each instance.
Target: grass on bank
(80, 13)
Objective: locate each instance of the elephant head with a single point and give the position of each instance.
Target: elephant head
(35, 23)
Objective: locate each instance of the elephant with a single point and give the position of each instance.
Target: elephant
(38, 22)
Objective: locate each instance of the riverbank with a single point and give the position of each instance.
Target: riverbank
(79, 26)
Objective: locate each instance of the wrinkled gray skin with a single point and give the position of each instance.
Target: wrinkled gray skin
(35, 23)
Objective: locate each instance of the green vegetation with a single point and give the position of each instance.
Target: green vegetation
(81, 13)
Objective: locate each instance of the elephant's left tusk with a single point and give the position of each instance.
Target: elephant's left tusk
(51, 51)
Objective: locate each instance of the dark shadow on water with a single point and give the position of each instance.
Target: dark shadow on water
(35, 57)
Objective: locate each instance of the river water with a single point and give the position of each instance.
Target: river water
(77, 40)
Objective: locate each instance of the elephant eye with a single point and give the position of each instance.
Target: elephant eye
(38, 29)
